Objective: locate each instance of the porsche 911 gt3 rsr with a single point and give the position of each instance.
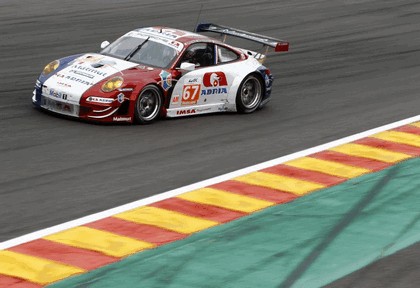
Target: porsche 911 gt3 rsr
(159, 71)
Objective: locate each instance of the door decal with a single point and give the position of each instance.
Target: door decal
(191, 94)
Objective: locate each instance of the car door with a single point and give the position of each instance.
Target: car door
(206, 88)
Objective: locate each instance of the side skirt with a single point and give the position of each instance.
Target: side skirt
(199, 109)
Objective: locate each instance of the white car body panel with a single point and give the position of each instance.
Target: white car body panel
(61, 93)
(69, 84)
(193, 94)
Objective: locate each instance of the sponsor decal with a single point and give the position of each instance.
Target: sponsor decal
(168, 33)
(63, 84)
(121, 119)
(99, 100)
(214, 91)
(57, 94)
(120, 98)
(191, 94)
(125, 89)
(176, 45)
(173, 32)
(175, 99)
(74, 79)
(167, 37)
(193, 80)
(214, 79)
(203, 110)
(88, 70)
(186, 112)
(246, 35)
(81, 73)
(165, 80)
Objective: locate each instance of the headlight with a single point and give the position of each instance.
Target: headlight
(51, 67)
(112, 84)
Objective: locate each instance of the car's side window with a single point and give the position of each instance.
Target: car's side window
(201, 54)
(225, 55)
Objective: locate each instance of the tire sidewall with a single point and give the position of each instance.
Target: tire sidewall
(240, 107)
(137, 117)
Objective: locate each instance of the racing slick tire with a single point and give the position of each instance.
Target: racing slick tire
(148, 105)
(249, 95)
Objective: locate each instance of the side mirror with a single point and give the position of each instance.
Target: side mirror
(104, 44)
(187, 67)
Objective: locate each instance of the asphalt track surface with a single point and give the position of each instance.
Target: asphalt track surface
(353, 66)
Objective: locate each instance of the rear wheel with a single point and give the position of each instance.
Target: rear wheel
(148, 105)
(249, 95)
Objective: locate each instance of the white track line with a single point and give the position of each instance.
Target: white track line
(172, 193)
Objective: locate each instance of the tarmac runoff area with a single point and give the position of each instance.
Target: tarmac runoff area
(302, 220)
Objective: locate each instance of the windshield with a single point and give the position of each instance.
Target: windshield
(142, 51)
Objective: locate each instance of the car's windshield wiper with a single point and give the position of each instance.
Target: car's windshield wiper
(135, 50)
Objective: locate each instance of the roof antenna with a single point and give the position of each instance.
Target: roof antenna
(198, 17)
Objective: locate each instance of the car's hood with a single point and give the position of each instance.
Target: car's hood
(84, 72)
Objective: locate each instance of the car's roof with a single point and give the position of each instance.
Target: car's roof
(166, 33)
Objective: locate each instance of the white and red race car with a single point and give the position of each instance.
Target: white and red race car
(159, 71)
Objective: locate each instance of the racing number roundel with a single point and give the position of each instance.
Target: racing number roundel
(190, 94)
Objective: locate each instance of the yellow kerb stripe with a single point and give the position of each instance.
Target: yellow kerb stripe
(101, 241)
(417, 124)
(166, 219)
(400, 137)
(279, 182)
(327, 167)
(34, 269)
(225, 200)
(370, 153)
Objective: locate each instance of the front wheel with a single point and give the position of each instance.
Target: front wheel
(249, 95)
(148, 105)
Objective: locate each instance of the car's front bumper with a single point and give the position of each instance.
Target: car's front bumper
(92, 112)
(55, 104)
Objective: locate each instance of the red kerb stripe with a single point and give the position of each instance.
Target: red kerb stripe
(370, 164)
(302, 174)
(208, 212)
(82, 258)
(138, 231)
(12, 282)
(388, 145)
(263, 193)
(408, 129)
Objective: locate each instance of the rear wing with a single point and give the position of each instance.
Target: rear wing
(277, 44)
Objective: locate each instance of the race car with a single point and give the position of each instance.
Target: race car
(157, 72)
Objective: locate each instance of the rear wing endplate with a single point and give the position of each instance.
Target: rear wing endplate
(277, 44)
